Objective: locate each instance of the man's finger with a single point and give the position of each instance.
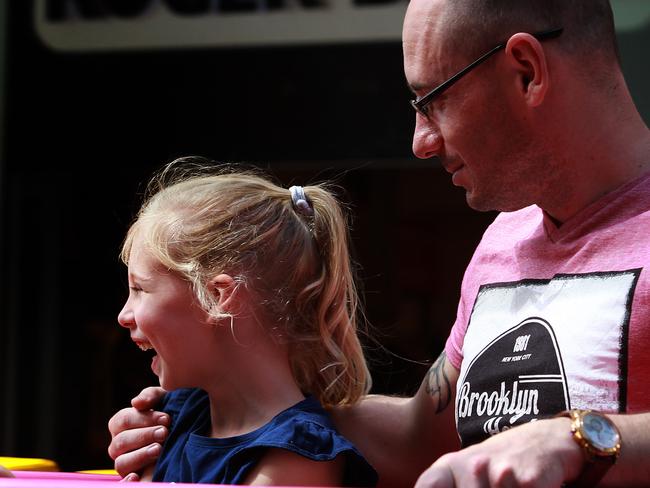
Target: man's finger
(131, 477)
(437, 476)
(133, 439)
(130, 418)
(148, 398)
(5, 473)
(137, 460)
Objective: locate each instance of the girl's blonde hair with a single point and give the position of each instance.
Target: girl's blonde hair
(199, 221)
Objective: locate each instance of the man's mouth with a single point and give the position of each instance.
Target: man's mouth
(452, 167)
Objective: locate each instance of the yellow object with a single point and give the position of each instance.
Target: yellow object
(98, 471)
(28, 464)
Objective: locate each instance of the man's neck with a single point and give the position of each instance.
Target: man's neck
(597, 172)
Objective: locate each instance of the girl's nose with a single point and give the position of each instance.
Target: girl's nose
(126, 317)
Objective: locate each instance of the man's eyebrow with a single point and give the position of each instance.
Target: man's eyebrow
(417, 87)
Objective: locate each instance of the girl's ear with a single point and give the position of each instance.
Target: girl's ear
(223, 287)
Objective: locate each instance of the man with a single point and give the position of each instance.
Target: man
(555, 302)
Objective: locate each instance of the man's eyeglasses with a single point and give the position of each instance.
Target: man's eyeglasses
(420, 104)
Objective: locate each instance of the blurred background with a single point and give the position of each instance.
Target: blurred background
(97, 94)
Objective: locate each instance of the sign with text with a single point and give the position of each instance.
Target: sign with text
(91, 25)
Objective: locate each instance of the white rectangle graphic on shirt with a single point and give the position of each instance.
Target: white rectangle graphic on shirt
(536, 347)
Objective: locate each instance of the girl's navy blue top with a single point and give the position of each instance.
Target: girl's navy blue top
(190, 457)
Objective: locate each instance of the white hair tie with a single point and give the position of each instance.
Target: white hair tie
(300, 202)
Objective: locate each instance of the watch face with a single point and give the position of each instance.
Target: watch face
(599, 431)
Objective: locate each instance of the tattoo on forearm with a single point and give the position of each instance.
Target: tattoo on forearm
(437, 384)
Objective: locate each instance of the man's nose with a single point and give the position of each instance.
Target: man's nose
(427, 140)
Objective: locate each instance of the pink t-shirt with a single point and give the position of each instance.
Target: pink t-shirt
(555, 318)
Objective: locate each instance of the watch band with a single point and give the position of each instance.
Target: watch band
(598, 459)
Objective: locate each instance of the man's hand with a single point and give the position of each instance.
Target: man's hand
(137, 434)
(538, 454)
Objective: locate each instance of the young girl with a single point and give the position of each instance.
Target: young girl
(244, 291)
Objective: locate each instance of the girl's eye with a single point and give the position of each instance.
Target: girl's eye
(135, 289)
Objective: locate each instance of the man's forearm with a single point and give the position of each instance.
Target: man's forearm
(401, 437)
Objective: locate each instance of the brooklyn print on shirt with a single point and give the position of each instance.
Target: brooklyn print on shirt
(536, 347)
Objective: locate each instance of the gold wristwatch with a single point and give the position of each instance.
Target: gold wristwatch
(599, 439)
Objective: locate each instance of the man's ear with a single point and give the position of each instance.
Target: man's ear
(223, 287)
(526, 56)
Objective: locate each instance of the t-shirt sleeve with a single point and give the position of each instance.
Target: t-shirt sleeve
(454, 344)
(471, 283)
(456, 338)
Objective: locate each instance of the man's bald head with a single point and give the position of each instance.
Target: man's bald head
(473, 26)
